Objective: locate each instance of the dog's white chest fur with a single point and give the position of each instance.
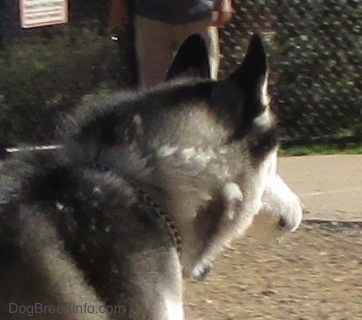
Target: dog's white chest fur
(174, 309)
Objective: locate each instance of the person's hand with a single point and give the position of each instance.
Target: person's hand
(222, 13)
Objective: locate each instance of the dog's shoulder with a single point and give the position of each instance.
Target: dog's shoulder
(64, 188)
(51, 200)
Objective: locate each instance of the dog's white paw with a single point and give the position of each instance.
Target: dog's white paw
(202, 270)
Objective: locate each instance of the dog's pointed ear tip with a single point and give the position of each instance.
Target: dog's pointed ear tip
(194, 44)
(257, 43)
(191, 59)
(195, 38)
(256, 52)
(257, 37)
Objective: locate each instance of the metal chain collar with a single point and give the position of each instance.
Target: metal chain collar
(144, 197)
(174, 234)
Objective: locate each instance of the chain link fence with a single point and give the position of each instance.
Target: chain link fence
(45, 71)
(315, 49)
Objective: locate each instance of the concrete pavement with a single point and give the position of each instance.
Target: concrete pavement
(330, 186)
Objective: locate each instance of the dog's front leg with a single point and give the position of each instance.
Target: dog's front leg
(233, 201)
(228, 226)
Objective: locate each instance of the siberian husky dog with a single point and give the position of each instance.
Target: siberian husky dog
(149, 187)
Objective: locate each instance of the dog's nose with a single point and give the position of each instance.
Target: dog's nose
(282, 223)
(288, 225)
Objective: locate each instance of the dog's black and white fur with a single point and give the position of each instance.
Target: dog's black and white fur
(73, 228)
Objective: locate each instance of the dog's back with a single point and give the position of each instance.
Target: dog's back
(76, 242)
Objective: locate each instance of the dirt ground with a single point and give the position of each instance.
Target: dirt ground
(313, 274)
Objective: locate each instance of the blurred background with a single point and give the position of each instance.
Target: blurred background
(315, 49)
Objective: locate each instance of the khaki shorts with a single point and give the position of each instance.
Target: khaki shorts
(157, 42)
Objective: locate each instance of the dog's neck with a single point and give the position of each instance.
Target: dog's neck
(181, 180)
(144, 197)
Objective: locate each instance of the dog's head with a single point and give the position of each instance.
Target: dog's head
(188, 138)
(242, 104)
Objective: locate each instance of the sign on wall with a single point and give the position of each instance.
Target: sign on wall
(37, 13)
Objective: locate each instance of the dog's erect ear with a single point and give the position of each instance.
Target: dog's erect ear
(191, 59)
(251, 77)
